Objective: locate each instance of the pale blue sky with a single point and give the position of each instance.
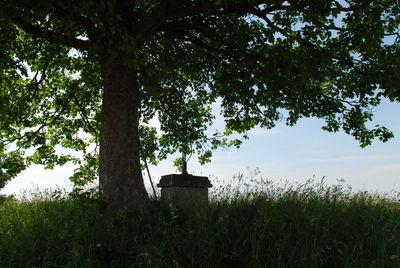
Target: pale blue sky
(283, 153)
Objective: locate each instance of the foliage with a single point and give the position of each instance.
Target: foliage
(264, 61)
(11, 163)
(309, 225)
(6, 198)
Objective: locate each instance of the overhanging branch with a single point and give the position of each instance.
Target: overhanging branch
(51, 36)
(29, 135)
(182, 29)
(77, 18)
(170, 10)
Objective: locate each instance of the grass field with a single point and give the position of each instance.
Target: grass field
(309, 225)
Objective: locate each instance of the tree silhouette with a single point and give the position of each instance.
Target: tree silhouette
(102, 67)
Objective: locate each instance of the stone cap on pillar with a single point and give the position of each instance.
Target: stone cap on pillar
(184, 180)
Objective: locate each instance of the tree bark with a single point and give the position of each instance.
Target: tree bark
(121, 181)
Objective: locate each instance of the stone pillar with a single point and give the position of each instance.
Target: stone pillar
(184, 189)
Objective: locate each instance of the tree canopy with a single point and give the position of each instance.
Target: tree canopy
(74, 73)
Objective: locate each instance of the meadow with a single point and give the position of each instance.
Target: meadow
(266, 225)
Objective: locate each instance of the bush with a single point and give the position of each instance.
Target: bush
(6, 198)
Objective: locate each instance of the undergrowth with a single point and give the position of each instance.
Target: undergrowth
(264, 225)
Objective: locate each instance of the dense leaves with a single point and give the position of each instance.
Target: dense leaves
(263, 61)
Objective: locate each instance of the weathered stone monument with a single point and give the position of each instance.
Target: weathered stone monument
(184, 189)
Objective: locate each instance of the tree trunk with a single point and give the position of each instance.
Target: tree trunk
(121, 181)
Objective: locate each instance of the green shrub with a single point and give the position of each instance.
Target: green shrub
(6, 198)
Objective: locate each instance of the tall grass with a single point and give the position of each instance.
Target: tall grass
(246, 225)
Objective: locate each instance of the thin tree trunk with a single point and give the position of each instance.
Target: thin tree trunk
(121, 181)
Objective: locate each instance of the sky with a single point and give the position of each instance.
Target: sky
(294, 154)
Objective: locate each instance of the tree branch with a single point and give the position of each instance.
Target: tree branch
(51, 36)
(76, 17)
(168, 10)
(84, 116)
(29, 135)
(297, 36)
(211, 8)
(152, 22)
(181, 29)
(352, 7)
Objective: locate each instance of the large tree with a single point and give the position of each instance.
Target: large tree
(80, 72)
